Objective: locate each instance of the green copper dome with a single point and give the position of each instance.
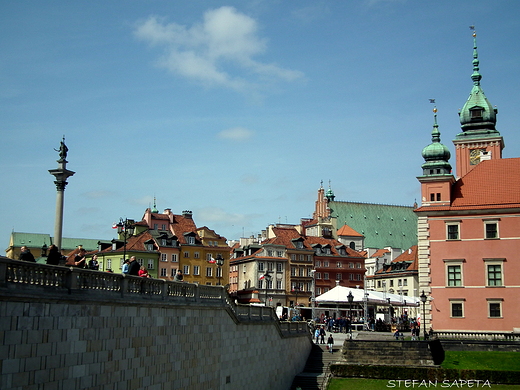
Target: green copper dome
(436, 155)
(477, 117)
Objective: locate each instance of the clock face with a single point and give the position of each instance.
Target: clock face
(474, 156)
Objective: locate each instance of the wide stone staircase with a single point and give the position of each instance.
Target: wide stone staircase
(316, 371)
(387, 352)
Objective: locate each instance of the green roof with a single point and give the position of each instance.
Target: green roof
(38, 239)
(382, 225)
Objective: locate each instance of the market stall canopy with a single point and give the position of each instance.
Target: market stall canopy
(339, 294)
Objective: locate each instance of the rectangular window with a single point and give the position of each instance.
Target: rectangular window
(338, 276)
(293, 257)
(452, 231)
(278, 284)
(338, 264)
(270, 266)
(491, 229)
(151, 264)
(209, 271)
(219, 272)
(164, 257)
(260, 283)
(196, 255)
(293, 271)
(186, 270)
(196, 270)
(495, 309)
(174, 271)
(457, 310)
(163, 272)
(174, 258)
(318, 290)
(317, 275)
(109, 264)
(318, 263)
(454, 276)
(186, 254)
(279, 267)
(350, 276)
(301, 271)
(279, 254)
(494, 274)
(326, 264)
(326, 275)
(261, 266)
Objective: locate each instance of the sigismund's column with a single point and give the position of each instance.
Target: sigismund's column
(61, 174)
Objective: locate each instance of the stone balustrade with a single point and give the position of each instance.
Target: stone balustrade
(65, 327)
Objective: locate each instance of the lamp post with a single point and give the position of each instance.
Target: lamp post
(220, 262)
(267, 277)
(126, 228)
(350, 298)
(423, 300)
(313, 303)
(44, 250)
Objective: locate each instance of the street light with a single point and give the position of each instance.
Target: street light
(44, 250)
(220, 262)
(126, 228)
(423, 300)
(267, 278)
(313, 272)
(350, 298)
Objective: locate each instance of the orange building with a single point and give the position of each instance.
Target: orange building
(469, 227)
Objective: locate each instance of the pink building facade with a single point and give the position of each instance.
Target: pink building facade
(469, 226)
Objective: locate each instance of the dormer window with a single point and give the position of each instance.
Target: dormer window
(190, 240)
(149, 247)
(298, 243)
(476, 113)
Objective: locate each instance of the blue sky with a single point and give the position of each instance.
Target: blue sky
(236, 110)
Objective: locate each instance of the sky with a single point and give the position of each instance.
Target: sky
(236, 110)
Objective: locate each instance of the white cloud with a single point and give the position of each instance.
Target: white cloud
(236, 134)
(213, 51)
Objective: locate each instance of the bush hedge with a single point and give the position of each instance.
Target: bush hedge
(432, 374)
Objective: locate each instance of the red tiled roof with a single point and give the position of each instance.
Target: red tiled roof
(407, 255)
(491, 184)
(380, 252)
(333, 243)
(346, 230)
(183, 225)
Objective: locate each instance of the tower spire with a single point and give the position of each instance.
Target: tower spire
(476, 76)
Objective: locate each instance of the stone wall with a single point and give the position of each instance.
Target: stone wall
(55, 341)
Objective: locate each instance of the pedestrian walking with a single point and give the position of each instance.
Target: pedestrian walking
(330, 343)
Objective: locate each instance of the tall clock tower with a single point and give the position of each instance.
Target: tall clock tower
(479, 140)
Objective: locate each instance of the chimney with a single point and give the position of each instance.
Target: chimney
(187, 214)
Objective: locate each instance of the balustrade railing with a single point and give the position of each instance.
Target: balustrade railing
(478, 336)
(23, 277)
